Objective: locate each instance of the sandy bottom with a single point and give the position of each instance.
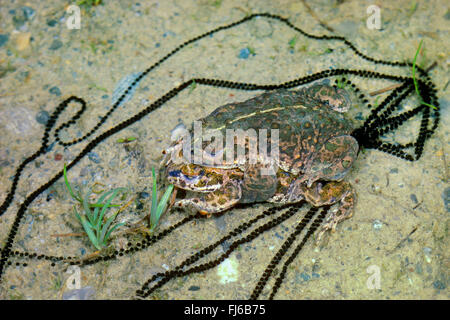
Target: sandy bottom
(400, 223)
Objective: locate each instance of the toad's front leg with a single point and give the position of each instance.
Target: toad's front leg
(327, 194)
(212, 202)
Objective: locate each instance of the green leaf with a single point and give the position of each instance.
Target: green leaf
(87, 227)
(69, 188)
(111, 230)
(87, 209)
(416, 86)
(99, 203)
(102, 213)
(154, 197)
(106, 227)
(161, 206)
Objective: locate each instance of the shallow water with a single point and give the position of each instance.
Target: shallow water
(400, 221)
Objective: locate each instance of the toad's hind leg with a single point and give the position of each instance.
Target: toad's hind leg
(340, 192)
(212, 202)
(333, 161)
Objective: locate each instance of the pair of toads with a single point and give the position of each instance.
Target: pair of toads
(315, 150)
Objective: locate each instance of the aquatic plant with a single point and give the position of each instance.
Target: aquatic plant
(89, 3)
(416, 86)
(158, 208)
(94, 223)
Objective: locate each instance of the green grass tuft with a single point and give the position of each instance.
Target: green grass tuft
(416, 86)
(93, 218)
(158, 208)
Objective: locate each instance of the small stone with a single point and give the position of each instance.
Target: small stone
(228, 270)
(244, 53)
(221, 223)
(94, 157)
(58, 157)
(439, 285)
(52, 23)
(305, 276)
(427, 250)
(56, 44)
(42, 117)
(414, 198)
(194, 288)
(315, 275)
(377, 224)
(446, 198)
(28, 12)
(23, 41)
(55, 91)
(419, 269)
(144, 195)
(3, 39)
(394, 170)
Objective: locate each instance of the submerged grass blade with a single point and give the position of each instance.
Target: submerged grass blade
(87, 209)
(416, 86)
(110, 231)
(72, 194)
(162, 205)
(102, 205)
(90, 232)
(154, 197)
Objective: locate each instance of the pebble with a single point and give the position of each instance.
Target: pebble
(18, 120)
(52, 23)
(55, 91)
(56, 44)
(427, 251)
(377, 224)
(194, 288)
(304, 276)
(221, 223)
(28, 12)
(446, 199)
(23, 41)
(228, 270)
(414, 198)
(419, 268)
(144, 195)
(3, 39)
(94, 157)
(42, 117)
(244, 53)
(439, 285)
